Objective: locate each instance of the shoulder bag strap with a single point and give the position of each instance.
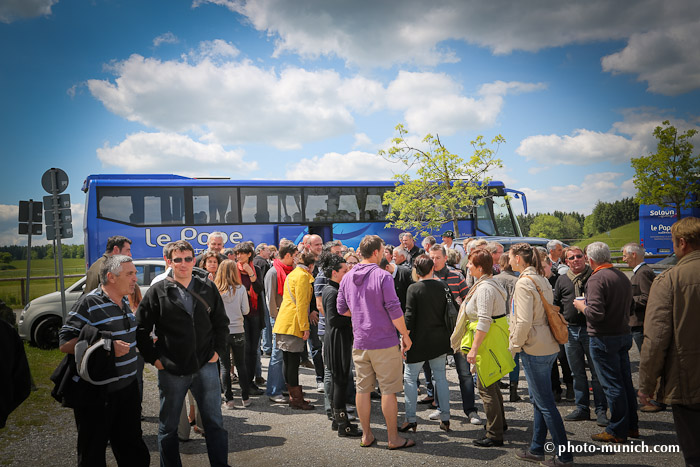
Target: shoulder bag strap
(191, 292)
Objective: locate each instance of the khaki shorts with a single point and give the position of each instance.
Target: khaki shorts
(383, 365)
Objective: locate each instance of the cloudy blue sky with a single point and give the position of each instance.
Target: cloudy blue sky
(314, 88)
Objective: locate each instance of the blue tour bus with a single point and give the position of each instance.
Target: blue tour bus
(153, 210)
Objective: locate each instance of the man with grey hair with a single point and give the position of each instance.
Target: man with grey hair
(215, 243)
(607, 308)
(642, 277)
(410, 246)
(115, 418)
(496, 250)
(555, 248)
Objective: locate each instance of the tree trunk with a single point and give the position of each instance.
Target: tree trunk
(455, 227)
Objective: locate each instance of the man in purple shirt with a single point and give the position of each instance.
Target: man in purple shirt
(368, 291)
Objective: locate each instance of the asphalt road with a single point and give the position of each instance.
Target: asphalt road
(265, 434)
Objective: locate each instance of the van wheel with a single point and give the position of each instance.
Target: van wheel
(46, 332)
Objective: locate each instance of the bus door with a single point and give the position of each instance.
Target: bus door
(295, 233)
(325, 231)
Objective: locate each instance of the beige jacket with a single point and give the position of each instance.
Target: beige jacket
(529, 329)
(671, 348)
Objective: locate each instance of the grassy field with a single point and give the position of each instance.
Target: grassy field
(616, 238)
(39, 409)
(10, 291)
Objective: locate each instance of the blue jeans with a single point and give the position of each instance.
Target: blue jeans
(316, 355)
(638, 336)
(577, 349)
(267, 333)
(410, 388)
(466, 384)
(275, 372)
(612, 362)
(206, 389)
(538, 373)
(514, 376)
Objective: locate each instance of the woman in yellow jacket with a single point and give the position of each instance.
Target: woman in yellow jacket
(292, 325)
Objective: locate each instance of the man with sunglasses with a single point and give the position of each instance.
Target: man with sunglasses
(569, 286)
(191, 327)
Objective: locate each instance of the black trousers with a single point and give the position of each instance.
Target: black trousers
(118, 422)
(687, 420)
(252, 329)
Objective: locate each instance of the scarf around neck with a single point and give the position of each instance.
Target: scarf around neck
(579, 280)
(282, 271)
(251, 292)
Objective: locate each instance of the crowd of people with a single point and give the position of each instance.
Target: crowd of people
(369, 321)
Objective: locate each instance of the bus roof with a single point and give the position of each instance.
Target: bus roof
(178, 180)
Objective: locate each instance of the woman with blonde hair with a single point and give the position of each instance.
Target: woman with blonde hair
(351, 259)
(228, 281)
(531, 337)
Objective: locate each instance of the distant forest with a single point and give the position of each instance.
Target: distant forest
(16, 252)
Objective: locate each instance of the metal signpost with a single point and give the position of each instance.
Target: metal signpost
(58, 218)
(29, 224)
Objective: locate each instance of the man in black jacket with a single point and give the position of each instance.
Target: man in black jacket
(191, 327)
(569, 286)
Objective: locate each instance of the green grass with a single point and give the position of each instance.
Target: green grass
(616, 238)
(10, 292)
(39, 409)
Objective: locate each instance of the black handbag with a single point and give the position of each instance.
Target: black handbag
(451, 311)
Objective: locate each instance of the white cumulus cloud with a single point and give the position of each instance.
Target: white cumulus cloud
(628, 138)
(170, 152)
(8, 212)
(606, 186)
(236, 102)
(386, 33)
(668, 60)
(166, 38)
(433, 101)
(13, 10)
(355, 165)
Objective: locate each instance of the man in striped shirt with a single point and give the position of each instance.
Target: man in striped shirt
(117, 419)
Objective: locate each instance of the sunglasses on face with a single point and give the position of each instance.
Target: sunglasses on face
(571, 258)
(187, 259)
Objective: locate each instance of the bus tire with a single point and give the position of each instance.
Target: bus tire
(46, 332)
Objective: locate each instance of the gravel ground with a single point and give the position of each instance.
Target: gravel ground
(266, 434)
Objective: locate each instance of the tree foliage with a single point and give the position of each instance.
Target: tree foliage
(546, 226)
(670, 176)
(18, 252)
(571, 224)
(446, 187)
(608, 216)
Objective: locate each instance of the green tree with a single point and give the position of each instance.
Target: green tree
(589, 226)
(5, 257)
(571, 228)
(546, 226)
(670, 176)
(446, 187)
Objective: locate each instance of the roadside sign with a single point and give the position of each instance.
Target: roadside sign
(61, 181)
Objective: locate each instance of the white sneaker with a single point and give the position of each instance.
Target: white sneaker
(474, 419)
(230, 405)
(319, 387)
(435, 415)
(246, 403)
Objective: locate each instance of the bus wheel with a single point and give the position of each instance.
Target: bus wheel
(46, 332)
